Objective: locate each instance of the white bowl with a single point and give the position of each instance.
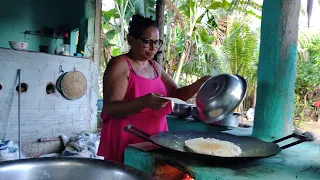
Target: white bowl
(18, 45)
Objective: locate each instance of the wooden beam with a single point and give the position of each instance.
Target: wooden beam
(97, 33)
(160, 21)
(276, 69)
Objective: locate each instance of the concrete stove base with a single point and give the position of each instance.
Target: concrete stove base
(298, 162)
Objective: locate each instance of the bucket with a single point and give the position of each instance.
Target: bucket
(100, 104)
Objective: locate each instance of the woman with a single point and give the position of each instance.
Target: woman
(132, 89)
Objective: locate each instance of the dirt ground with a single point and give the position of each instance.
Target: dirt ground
(311, 126)
(306, 126)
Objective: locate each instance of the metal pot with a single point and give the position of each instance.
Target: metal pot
(182, 110)
(219, 96)
(231, 120)
(68, 168)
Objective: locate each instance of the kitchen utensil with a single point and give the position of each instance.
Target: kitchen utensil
(56, 50)
(230, 120)
(252, 148)
(18, 45)
(19, 111)
(65, 49)
(72, 85)
(175, 100)
(68, 168)
(182, 110)
(219, 96)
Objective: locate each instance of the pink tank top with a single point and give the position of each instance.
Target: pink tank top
(114, 139)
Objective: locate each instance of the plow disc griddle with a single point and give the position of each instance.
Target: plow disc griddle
(252, 148)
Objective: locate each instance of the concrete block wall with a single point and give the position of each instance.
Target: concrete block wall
(44, 115)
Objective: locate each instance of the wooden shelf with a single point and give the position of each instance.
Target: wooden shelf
(45, 35)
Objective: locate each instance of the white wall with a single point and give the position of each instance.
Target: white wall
(43, 115)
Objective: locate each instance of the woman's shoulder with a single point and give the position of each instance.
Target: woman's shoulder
(118, 64)
(119, 60)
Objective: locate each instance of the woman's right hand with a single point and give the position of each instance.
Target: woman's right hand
(154, 101)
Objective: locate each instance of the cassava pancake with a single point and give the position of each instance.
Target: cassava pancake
(211, 146)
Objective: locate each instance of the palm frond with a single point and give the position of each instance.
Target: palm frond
(241, 48)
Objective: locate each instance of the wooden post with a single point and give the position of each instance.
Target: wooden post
(276, 69)
(97, 32)
(160, 21)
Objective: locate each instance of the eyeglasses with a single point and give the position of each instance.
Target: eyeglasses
(148, 42)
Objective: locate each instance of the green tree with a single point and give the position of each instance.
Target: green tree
(242, 49)
(308, 78)
(201, 18)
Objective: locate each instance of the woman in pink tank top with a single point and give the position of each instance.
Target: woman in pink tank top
(132, 87)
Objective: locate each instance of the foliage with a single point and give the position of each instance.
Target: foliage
(111, 29)
(212, 37)
(115, 22)
(242, 50)
(202, 26)
(114, 28)
(308, 67)
(308, 78)
(145, 8)
(237, 55)
(196, 33)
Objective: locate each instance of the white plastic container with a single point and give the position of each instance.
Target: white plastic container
(65, 49)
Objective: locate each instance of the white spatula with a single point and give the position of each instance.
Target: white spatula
(175, 100)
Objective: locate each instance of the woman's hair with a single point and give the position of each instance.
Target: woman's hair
(139, 23)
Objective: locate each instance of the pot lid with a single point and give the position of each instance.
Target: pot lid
(220, 95)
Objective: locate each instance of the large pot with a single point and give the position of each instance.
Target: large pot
(231, 120)
(219, 96)
(68, 169)
(182, 110)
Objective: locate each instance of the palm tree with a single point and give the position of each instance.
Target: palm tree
(203, 16)
(116, 20)
(241, 48)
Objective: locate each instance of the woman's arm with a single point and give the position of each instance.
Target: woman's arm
(115, 82)
(183, 93)
(187, 92)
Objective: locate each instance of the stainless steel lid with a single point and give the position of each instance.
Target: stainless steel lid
(219, 96)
